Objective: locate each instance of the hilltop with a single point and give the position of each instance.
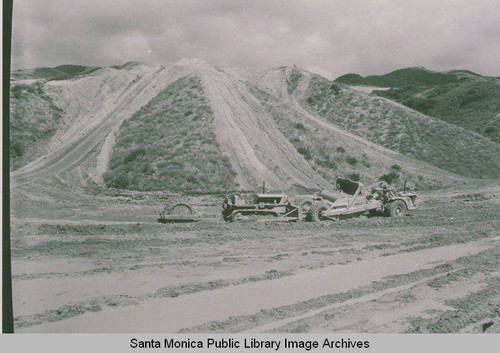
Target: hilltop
(413, 76)
(460, 97)
(194, 127)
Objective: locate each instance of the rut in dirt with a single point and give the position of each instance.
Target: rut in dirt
(174, 314)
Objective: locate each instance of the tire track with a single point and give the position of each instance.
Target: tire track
(70, 155)
(192, 310)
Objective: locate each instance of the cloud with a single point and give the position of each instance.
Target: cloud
(328, 37)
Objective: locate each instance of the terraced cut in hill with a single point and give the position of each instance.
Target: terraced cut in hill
(34, 119)
(400, 129)
(170, 144)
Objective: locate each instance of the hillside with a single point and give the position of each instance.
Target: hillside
(413, 76)
(192, 127)
(34, 120)
(170, 144)
(400, 129)
(459, 97)
(62, 72)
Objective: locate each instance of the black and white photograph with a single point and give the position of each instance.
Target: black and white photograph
(255, 167)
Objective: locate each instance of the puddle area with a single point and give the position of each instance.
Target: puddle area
(173, 314)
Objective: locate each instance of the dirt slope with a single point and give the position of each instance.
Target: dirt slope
(251, 131)
(94, 107)
(247, 134)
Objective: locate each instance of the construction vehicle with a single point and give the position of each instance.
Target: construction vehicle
(277, 207)
(353, 199)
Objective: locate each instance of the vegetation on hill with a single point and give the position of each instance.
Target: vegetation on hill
(472, 104)
(424, 138)
(412, 76)
(459, 97)
(34, 119)
(170, 144)
(62, 72)
(330, 154)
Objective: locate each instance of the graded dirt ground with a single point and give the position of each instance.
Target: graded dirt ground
(90, 260)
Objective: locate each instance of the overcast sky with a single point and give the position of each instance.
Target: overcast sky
(331, 38)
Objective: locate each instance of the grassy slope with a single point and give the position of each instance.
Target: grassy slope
(62, 72)
(33, 121)
(473, 104)
(459, 97)
(412, 76)
(332, 155)
(170, 144)
(427, 139)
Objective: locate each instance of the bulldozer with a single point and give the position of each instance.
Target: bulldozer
(352, 199)
(263, 207)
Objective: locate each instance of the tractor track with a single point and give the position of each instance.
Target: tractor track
(192, 310)
(70, 155)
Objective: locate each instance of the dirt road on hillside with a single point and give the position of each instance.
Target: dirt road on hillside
(70, 155)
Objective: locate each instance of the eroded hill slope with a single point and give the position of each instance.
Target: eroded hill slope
(195, 127)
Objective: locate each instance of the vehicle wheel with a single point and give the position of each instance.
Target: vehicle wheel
(314, 213)
(303, 206)
(237, 216)
(396, 208)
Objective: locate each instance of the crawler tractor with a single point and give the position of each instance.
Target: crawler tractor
(272, 206)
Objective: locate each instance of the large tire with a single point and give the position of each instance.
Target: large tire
(314, 213)
(396, 208)
(303, 205)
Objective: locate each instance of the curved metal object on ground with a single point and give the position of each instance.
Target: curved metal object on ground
(181, 209)
(179, 213)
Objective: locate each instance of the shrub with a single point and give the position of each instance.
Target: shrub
(351, 160)
(389, 178)
(396, 167)
(134, 154)
(304, 150)
(16, 149)
(489, 130)
(120, 182)
(354, 176)
(340, 149)
(335, 88)
(301, 127)
(326, 162)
